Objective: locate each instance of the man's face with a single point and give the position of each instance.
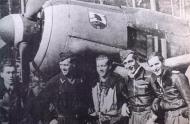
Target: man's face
(102, 67)
(8, 74)
(155, 65)
(66, 66)
(130, 64)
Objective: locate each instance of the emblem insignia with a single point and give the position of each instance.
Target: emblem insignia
(97, 20)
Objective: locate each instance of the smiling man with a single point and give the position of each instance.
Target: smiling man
(67, 65)
(137, 89)
(66, 93)
(173, 91)
(104, 93)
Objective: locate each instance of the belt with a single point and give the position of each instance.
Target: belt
(177, 112)
(75, 116)
(140, 109)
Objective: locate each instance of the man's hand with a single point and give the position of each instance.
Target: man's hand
(54, 121)
(90, 110)
(94, 114)
(6, 98)
(156, 105)
(51, 107)
(111, 113)
(125, 110)
(152, 119)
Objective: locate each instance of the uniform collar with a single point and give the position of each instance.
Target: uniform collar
(109, 80)
(64, 79)
(139, 73)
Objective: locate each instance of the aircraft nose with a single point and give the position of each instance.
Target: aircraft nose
(7, 30)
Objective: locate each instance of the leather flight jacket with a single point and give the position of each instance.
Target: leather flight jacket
(172, 89)
(138, 91)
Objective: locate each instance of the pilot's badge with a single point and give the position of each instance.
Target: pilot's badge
(97, 20)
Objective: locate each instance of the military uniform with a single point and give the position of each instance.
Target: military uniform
(11, 109)
(173, 93)
(69, 99)
(35, 109)
(139, 96)
(106, 98)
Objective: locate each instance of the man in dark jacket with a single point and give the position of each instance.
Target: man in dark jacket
(35, 107)
(66, 93)
(137, 89)
(10, 95)
(173, 91)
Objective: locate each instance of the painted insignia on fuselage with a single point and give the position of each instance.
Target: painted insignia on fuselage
(97, 20)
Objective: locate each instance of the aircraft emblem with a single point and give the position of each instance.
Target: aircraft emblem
(97, 20)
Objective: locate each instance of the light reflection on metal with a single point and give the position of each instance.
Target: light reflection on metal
(156, 44)
(10, 6)
(153, 5)
(164, 47)
(134, 3)
(22, 4)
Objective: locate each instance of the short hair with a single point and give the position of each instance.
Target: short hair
(125, 53)
(6, 62)
(154, 54)
(103, 56)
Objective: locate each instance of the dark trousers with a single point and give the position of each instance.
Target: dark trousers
(118, 120)
(70, 120)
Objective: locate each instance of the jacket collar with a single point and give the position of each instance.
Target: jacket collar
(109, 81)
(166, 71)
(139, 73)
(64, 79)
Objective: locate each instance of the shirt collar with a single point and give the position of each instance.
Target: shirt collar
(109, 80)
(165, 72)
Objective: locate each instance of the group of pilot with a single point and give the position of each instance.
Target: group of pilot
(161, 96)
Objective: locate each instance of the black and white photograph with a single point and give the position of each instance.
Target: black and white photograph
(94, 61)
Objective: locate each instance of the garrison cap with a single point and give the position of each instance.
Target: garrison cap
(63, 56)
(125, 53)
